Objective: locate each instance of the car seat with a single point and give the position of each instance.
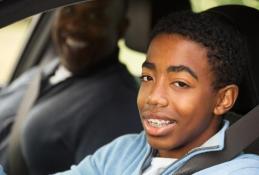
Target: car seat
(143, 14)
(246, 19)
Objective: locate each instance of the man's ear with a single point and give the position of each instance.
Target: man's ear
(226, 98)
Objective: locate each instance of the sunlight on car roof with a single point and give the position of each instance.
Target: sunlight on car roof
(200, 5)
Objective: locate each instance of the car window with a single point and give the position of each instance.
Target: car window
(200, 5)
(131, 58)
(12, 41)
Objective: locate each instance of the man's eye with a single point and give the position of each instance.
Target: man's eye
(146, 78)
(181, 84)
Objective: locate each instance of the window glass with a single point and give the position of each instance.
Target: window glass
(200, 5)
(12, 39)
(131, 58)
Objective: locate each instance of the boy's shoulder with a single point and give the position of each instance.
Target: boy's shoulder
(125, 151)
(126, 142)
(241, 165)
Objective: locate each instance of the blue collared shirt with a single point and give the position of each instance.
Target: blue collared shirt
(131, 155)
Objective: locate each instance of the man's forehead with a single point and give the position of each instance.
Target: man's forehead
(94, 4)
(98, 2)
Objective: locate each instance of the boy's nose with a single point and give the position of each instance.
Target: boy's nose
(158, 97)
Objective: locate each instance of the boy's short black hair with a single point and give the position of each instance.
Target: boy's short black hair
(225, 44)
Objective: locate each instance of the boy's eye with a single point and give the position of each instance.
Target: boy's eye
(180, 84)
(146, 78)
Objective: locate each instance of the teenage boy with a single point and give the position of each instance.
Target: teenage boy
(190, 80)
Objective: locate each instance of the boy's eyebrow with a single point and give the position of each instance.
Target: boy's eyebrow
(148, 65)
(181, 68)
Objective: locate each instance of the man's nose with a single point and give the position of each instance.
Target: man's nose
(71, 25)
(158, 96)
(74, 24)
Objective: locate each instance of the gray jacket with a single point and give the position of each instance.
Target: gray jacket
(74, 117)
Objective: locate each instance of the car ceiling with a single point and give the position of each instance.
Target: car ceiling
(14, 10)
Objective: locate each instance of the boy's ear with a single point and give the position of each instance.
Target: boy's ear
(226, 98)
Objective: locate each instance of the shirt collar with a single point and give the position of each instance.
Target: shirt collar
(218, 138)
(60, 74)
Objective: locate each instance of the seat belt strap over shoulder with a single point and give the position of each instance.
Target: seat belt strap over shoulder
(237, 137)
(16, 163)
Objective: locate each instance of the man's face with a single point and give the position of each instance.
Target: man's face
(86, 33)
(176, 99)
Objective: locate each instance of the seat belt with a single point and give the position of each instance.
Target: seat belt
(237, 137)
(16, 163)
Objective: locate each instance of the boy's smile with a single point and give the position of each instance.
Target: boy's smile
(157, 123)
(176, 98)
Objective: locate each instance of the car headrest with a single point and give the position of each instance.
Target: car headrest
(143, 14)
(246, 19)
(139, 14)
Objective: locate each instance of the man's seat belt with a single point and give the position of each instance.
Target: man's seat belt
(16, 163)
(237, 137)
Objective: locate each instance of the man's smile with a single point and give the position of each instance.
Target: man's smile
(76, 43)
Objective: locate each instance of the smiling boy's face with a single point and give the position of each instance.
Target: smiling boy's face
(176, 99)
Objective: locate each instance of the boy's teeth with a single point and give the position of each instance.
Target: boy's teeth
(158, 123)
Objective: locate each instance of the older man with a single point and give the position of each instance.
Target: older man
(87, 97)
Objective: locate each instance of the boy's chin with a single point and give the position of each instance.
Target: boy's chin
(159, 143)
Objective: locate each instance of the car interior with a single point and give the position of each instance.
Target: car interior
(143, 14)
